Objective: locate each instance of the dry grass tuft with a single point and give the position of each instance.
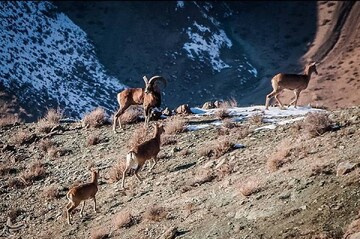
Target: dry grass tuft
(22, 137)
(175, 126)
(132, 115)
(115, 173)
(316, 124)
(46, 144)
(279, 156)
(9, 120)
(139, 136)
(222, 113)
(256, 119)
(124, 219)
(99, 233)
(95, 118)
(155, 213)
(35, 172)
(6, 168)
(249, 187)
(225, 170)
(93, 139)
(50, 120)
(168, 140)
(201, 177)
(216, 148)
(51, 192)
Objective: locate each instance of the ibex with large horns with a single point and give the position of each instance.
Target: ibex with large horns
(149, 97)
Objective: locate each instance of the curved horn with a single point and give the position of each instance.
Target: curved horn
(155, 78)
(146, 80)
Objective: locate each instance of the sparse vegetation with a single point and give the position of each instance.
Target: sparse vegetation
(124, 219)
(116, 171)
(280, 156)
(155, 213)
(256, 119)
(35, 172)
(51, 192)
(316, 124)
(49, 121)
(99, 233)
(217, 147)
(175, 126)
(95, 118)
(93, 139)
(249, 187)
(139, 136)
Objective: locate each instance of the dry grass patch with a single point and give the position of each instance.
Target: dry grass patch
(6, 169)
(124, 219)
(22, 137)
(99, 233)
(216, 148)
(35, 172)
(280, 156)
(201, 177)
(116, 172)
(175, 125)
(9, 120)
(256, 119)
(222, 113)
(95, 118)
(49, 121)
(51, 193)
(155, 213)
(132, 115)
(139, 136)
(249, 187)
(93, 139)
(240, 131)
(225, 170)
(316, 124)
(168, 140)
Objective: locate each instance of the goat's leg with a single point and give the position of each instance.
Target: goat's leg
(94, 199)
(136, 173)
(297, 94)
(269, 96)
(69, 210)
(147, 116)
(278, 100)
(155, 161)
(117, 117)
(123, 177)
(82, 209)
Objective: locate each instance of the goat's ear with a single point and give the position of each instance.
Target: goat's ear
(145, 80)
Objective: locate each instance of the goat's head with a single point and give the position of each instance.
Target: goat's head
(160, 128)
(312, 68)
(150, 84)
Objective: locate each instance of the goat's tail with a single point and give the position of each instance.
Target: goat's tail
(131, 160)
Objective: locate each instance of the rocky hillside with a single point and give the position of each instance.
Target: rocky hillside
(221, 174)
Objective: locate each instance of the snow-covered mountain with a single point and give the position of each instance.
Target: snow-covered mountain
(78, 55)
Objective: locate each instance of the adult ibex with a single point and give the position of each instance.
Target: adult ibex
(149, 97)
(295, 82)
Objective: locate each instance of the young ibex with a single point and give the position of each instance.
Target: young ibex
(149, 97)
(147, 150)
(80, 193)
(294, 82)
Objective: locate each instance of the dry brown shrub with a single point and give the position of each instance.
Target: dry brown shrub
(49, 121)
(175, 126)
(124, 219)
(279, 156)
(228, 123)
(189, 208)
(205, 150)
(168, 140)
(14, 213)
(6, 168)
(116, 171)
(93, 139)
(249, 187)
(17, 183)
(201, 177)
(46, 144)
(99, 233)
(256, 119)
(240, 132)
(324, 169)
(222, 113)
(139, 136)
(54, 152)
(35, 172)
(51, 192)
(222, 146)
(9, 120)
(155, 213)
(95, 118)
(316, 124)
(132, 115)
(184, 152)
(228, 103)
(21, 137)
(225, 170)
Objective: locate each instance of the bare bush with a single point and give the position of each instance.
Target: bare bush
(124, 219)
(225, 170)
(240, 132)
(51, 192)
(115, 173)
(95, 118)
(222, 113)
(93, 139)
(99, 233)
(139, 136)
(256, 119)
(155, 213)
(35, 172)
(49, 121)
(46, 144)
(216, 148)
(249, 187)
(279, 156)
(201, 177)
(175, 126)
(22, 137)
(168, 140)
(9, 120)
(316, 124)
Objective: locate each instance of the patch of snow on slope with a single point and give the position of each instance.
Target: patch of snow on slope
(43, 52)
(206, 45)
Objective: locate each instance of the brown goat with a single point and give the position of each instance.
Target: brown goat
(295, 82)
(80, 193)
(147, 150)
(149, 97)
